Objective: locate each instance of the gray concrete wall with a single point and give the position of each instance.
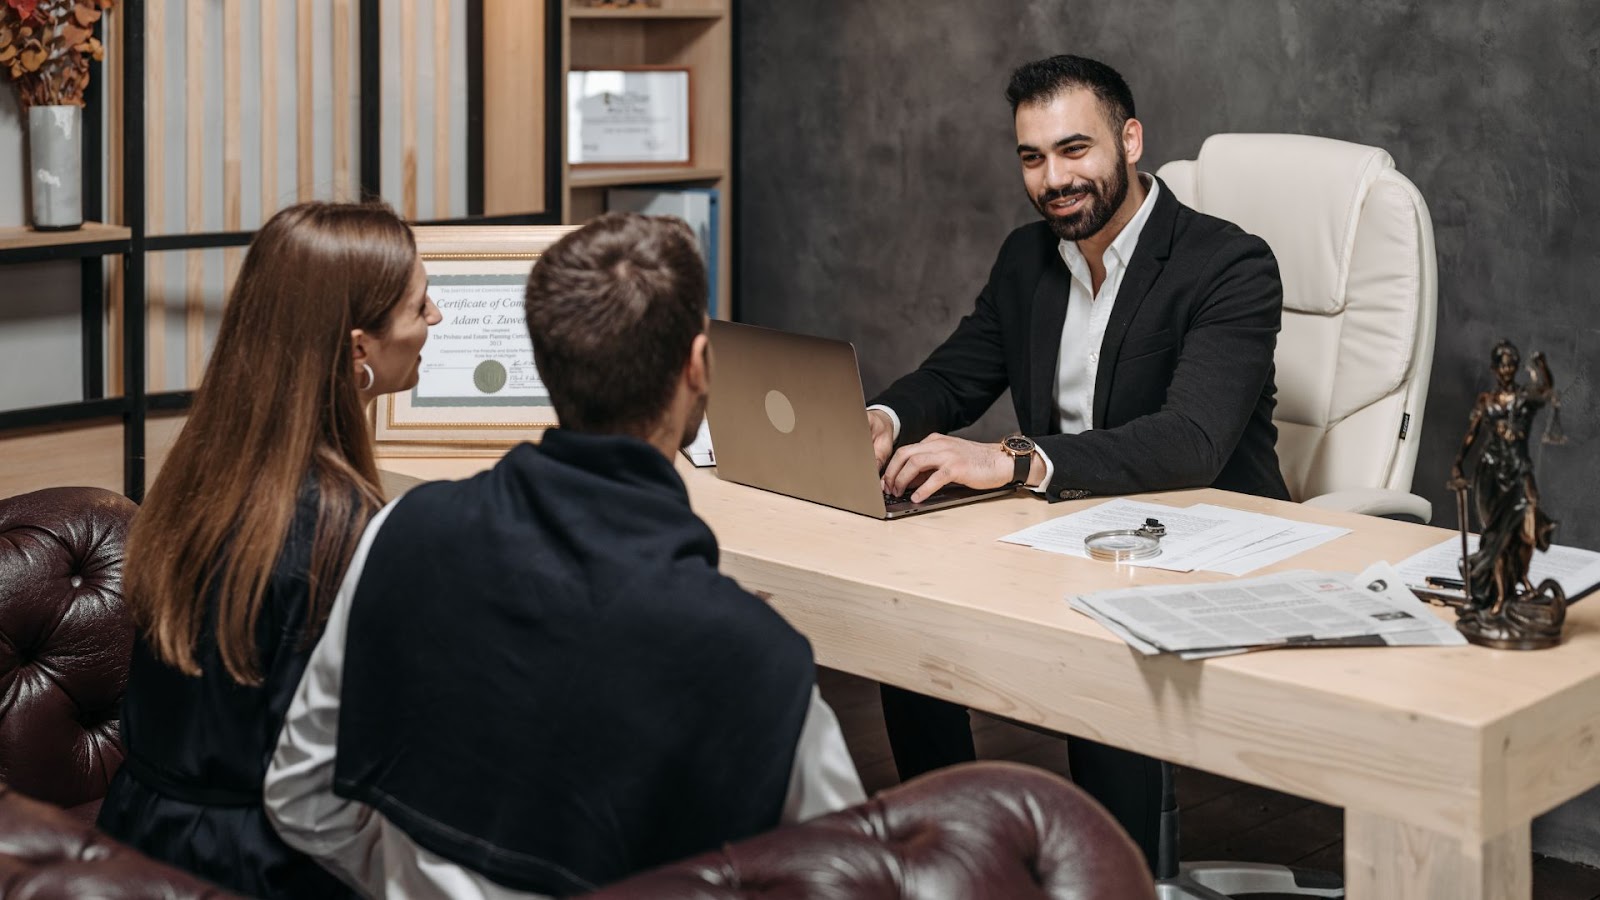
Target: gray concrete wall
(879, 176)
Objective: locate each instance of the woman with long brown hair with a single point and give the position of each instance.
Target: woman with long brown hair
(236, 555)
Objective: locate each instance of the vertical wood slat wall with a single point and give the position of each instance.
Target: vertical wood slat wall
(408, 110)
(441, 103)
(423, 63)
(194, 122)
(112, 72)
(198, 165)
(514, 114)
(155, 152)
(180, 44)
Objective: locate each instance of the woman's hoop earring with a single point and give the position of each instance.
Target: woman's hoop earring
(370, 377)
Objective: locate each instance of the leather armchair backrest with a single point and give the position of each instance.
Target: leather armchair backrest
(65, 641)
(1354, 244)
(978, 831)
(46, 854)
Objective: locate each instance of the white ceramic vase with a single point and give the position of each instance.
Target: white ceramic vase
(55, 162)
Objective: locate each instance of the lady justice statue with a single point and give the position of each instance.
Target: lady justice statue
(1502, 608)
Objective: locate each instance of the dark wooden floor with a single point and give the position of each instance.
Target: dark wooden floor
(1221, 818)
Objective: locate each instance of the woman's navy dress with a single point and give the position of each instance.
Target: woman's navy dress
(189, 791)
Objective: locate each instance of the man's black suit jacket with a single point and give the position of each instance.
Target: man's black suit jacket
(1184, 389)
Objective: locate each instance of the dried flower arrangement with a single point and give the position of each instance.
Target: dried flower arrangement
(46, 47)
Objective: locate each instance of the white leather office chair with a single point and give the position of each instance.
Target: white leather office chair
(1354, 245)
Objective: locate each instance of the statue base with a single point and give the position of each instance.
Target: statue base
(1530, 621)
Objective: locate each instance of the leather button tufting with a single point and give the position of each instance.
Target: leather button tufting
(67, 653)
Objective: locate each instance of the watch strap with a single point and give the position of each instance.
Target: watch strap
(1022, 465)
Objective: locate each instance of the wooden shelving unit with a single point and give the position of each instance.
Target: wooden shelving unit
(583, 12)
(580, 179)
(513, 174)
(26, 441)
(697, 34)
(693, 33)
(70, 243)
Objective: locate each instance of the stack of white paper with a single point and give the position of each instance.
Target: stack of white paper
(1202, 536)
(700, 451)
(1289, 609)
(1576, 570)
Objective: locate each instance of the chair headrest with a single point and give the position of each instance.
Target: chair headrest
(1260, 182)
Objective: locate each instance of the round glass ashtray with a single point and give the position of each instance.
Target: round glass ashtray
(1125, 544)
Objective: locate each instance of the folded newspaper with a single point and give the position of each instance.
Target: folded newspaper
(1287, 609)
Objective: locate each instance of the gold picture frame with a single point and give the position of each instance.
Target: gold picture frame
(463, 262)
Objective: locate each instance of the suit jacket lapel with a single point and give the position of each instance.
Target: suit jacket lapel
(1044, 345)
(1149, 256)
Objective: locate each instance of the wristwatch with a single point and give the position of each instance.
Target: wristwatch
(1021, 450)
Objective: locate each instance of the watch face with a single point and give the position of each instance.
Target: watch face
(1018, 444)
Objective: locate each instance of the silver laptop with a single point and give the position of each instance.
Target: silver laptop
(787, 414)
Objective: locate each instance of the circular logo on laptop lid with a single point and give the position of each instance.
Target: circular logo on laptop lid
(780, 412)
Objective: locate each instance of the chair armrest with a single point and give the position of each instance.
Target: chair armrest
(987, 829)
(46, 852)
(1384, 502)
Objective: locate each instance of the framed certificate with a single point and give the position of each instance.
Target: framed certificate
(628, 116)
(478, 390)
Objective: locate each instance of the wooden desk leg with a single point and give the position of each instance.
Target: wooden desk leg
(1389, 860)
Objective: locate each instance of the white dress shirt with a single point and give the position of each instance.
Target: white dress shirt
(364, 849)
(1088, 311)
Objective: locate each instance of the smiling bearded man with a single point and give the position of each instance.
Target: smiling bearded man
(1136, 337)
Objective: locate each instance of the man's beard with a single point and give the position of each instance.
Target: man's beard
(1101, 201)
(691, 427)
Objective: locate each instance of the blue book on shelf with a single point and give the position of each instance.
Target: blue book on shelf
(695, 205)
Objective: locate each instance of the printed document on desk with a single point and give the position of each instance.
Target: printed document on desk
(1575, 569)
(1289, 609)
(1202, 536)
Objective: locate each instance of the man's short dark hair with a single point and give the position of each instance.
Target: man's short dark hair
(1041, 80)
(612, 310)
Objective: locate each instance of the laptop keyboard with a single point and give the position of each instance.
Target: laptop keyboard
(946, 493)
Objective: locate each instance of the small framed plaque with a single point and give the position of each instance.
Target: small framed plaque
(477, 390)
(635, 116)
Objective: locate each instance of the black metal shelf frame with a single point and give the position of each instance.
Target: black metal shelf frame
(85, 250)
(137, 402)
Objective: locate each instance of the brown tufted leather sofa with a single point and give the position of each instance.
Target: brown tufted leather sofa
(979, 831)
(65, 640)
(987, 830)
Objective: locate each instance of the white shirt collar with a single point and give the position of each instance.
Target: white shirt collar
(1121, 249)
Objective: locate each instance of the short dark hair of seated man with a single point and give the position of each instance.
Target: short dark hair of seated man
(613, 319)
(1042, 79)
(536, 679)
(1136, 336)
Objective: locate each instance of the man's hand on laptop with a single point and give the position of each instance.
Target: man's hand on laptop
(882, 435)
(939, 459)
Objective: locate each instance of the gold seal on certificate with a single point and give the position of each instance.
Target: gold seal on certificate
(489, 376)
(632, 116)
(479, 354)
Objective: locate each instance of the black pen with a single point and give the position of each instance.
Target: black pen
(1441, 581)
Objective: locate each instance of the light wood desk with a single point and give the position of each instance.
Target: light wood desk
(1440, 756)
